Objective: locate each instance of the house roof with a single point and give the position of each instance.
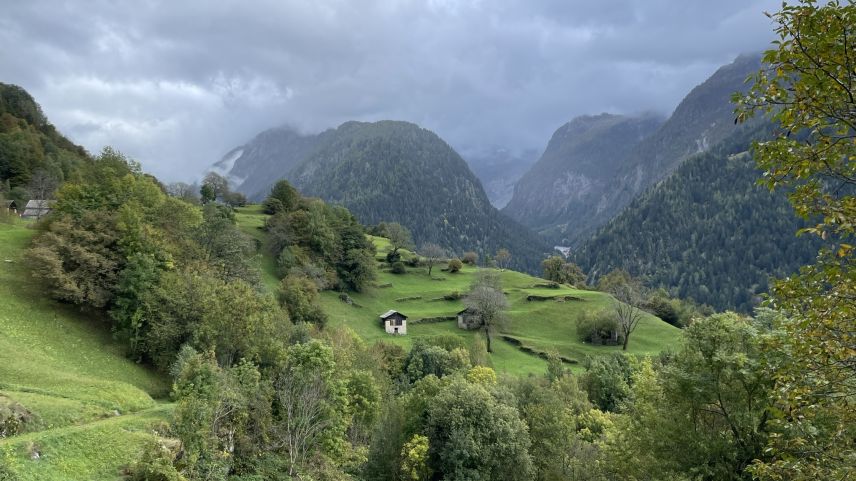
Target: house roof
(391, 312)
(37, 208)
(7, 202)
(39, 204)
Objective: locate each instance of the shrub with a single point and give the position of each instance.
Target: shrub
(398, 268)
(452, 296)
(414, 261)
(455, 265)
(298, 295)
(662, 308)
(6, 474)
(13, 417)
(598, 327)
(393, 257)
(607, 380)
(470, 258)
(272, 205)
(155, 465)
(235, 199)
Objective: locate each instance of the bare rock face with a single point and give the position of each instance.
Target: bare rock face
(582, 159)
(594, 166)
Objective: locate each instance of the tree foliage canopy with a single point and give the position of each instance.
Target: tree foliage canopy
(808, 87)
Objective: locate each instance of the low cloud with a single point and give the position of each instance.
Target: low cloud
(177, 84)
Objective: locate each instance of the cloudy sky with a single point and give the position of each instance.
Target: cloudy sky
(176, 84)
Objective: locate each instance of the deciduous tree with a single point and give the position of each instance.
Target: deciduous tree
(808, 87)
(399, 238)
(489, 303)
(502, 258)
(433, 254)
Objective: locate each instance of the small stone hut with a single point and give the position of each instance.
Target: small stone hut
(394, 322)
(469, 319)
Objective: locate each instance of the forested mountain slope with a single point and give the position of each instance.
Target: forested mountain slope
(399, 172)
(30, 146)
(708, 232)
(388, 171)
(582, 159)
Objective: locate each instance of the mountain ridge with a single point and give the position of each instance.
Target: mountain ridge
(581, 159)
(391, 171)
(702, 119)
(706, 232)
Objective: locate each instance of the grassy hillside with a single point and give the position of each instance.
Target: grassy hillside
(92, 409)
(539, 325)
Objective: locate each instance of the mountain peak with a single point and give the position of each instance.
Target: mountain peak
(390, 171)
(595, 165)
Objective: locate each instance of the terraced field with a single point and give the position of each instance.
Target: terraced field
(537, 326)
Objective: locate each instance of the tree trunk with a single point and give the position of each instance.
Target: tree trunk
(487, 335)
(430, 266)
(626, 340)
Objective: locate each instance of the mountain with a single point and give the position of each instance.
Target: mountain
(702, 119)
(387, 171)
(707, 232)
(274, 152)
(499, 169)
(582, 159)
(31, 146)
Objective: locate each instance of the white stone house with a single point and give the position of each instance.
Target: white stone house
(394, 322)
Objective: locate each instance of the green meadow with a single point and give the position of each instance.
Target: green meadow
(90, 408)
(535, 325)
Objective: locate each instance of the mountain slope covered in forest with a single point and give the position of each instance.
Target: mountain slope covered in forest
(31, 147)
(392, 172)
(707, 232)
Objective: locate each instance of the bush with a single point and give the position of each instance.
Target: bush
(470, 258)
(235, 199)
(398, 268)
(13, 417)
(272, 206)
(298, 295)
(6, 474)
(452, 296)
(392, 257)
(662, 308)
(598, 327)
(607, 380)
(414, 261)
(155, 465)
(455, 265)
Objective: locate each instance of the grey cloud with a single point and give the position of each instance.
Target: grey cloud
(177, 84)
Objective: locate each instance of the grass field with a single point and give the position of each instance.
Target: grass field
(548, 325)
(92, 407)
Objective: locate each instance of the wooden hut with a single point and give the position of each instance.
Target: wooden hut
(36, 209)
(394, 322)
(10, 205)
